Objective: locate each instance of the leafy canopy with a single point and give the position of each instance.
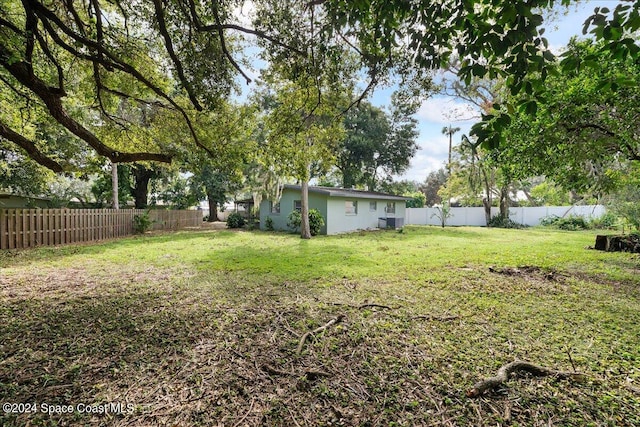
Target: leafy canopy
(584, 131)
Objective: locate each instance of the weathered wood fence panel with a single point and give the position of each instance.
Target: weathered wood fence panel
(28, 228)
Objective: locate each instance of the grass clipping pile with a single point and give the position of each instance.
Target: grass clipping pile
(185, 357)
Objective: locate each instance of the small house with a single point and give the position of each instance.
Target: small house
(344, 210)
(15, 201)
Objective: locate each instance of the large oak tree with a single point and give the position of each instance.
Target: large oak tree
(72, 63)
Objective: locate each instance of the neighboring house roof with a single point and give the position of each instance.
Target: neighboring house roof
(4, 195)
(15, 201)
(349, 193)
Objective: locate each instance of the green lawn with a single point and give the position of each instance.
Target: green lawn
(202, 328)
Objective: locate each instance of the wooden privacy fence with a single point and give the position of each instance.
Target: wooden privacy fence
(27, 228)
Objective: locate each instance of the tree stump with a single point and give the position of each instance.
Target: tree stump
(602, 243)
(622, 243)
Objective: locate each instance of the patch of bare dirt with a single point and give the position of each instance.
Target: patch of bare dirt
(216, 225)
(78, 282)
(530, 271)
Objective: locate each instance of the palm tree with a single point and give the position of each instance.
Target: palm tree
(448, 130)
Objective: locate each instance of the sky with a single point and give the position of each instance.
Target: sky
(439, 111)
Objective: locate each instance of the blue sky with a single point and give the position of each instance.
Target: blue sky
(440, 111)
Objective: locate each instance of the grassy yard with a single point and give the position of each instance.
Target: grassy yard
(203, 328)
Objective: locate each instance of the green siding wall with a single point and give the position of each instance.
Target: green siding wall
(316, 201)
(333, 212)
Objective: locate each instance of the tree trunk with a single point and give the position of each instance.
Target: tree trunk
(213, 209)
(486, 203)
(504, 202)
(305, 230)
(347, 178)
(450, 144)
(141, 176)
(114, 186)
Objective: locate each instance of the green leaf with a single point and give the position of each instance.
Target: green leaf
(529, 107)
(586, 25)
(503, 120)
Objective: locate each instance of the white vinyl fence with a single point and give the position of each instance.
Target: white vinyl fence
(475, 216)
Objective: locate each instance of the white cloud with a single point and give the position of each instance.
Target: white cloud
(422, 164)
(435, 145)
(446, 110)
(433, 151)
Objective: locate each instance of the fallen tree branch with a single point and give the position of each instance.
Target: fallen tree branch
(247, 414)
(304, 338)
(518, 366)
(374, 306)
(362, 306)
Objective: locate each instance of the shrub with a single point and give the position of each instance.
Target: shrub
(235, 220)
(608, 221)
(629, 211)
(550, 220)
(499, 221)
(316, 221)
(570, 223)
(142, 223)
(268, 224)
(294, 220)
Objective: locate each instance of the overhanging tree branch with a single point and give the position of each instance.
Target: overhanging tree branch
(16, 90)
(113, 62)
(31, 149)
(223, 44)
(82, 30)
(30, 30)
(356, 102)
(51, 97)
(162, 27)
(5, 23)
(257, 33)
(76, 16)
(45, 48)
(597, 127)
(631, 152)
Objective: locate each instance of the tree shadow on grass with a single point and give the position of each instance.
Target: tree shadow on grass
(198, 355)
(74, 351)
(19, 257)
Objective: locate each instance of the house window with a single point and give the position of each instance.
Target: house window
(391, 207)
(297, 205)
(275, 208)
(373, 206)
(351, 207)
